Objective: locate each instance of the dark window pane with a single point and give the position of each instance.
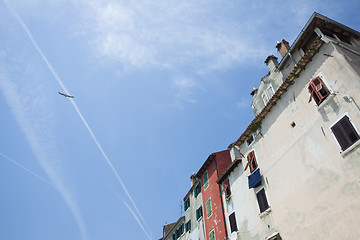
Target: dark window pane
(262, 201)
(233, 224)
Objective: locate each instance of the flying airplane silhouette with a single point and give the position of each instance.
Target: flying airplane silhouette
(65, 95)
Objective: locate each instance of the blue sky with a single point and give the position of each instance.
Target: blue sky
(158, 86)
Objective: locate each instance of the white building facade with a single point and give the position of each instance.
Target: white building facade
(296, 169)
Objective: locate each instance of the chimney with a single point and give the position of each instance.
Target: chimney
(271, 62)
(283, 47)
(193, 179)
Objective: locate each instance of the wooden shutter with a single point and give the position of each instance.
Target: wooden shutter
(345, 133)
(208, 208)
(251, 161)
(206, 180)
(318, 90)
(262, 201)
(232, 220)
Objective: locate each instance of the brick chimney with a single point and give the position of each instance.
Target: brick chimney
(193, 179)
(271, 62)
(283, 47)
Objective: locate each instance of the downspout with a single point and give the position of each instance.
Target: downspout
(221, 200)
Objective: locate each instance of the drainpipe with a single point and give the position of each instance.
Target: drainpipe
(221, 200)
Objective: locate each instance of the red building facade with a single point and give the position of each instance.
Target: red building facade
(213, 207)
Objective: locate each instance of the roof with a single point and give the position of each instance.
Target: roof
(167, 228)
(172, 226)
(316, 20)
(191, 189)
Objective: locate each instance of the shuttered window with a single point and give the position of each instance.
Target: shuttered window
(186, 204)
(199, 213)
(345, 133)
(232, 220)
(318, 90)
(197, 190)
(208, 207)
(188, 226)
(262, 200)
(212, 235)
(206, 180)
(226, 188)
(251, 161)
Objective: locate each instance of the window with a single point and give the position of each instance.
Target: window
(251, 161)
(199, 213)
(188, 226)
(206, 180)
(345, 133)
(262, 200)
(226, 188)
(318, 91)
(197, 190)
(250, 140)
(232, 220)
(276, 237)
(212, 235)
(186, 204)
(179, 231)
(208, 207)
(267, 94)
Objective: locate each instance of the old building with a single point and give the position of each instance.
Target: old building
(295, 171)
(193, 206)
(214, 166)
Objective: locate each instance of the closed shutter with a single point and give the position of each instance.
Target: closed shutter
(232, 220)
(262, 201)
(345, 133)
(212, 235)
(208, 208)
(206, 180)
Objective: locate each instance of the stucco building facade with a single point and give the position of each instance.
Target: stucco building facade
(296, 169)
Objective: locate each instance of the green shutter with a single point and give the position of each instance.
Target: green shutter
(208, 207)
(212, 235)
(206, 180)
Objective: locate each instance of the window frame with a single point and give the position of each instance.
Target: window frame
(199, 213)
(315, 92)
(188, 226)
(212, 231)
(266, 94)
(355, 131)
(206, 183)
(197, 190)
(252, 142)
(230, 222)
(226, 188)
(187, 203)
(262, 209)
(206, 207)
(251, 161)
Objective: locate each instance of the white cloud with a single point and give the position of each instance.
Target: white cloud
(165, 34)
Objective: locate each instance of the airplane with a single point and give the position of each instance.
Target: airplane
(65, 95)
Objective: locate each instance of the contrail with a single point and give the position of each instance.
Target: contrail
(19, 20)
(132, 212)
(26, 169)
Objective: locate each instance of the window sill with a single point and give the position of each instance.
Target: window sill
(264, 213)
(350, 149)
(331, 96)
(200, 218)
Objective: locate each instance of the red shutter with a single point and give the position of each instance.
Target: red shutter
(251, 161)
(318, 90)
